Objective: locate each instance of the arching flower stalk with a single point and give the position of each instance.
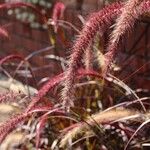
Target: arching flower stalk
(97, 22)
(131, 11)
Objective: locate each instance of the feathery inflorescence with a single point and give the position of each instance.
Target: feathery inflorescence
(58, 12)
(97, 22)
(8, 126)
(131, 11)
(100, 118)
